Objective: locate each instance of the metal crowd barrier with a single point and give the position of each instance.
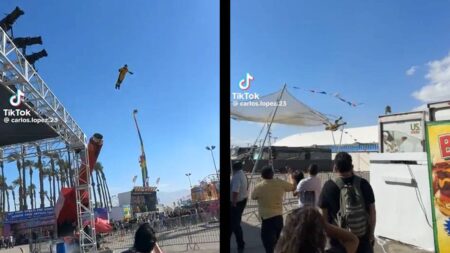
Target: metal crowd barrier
(188, 230)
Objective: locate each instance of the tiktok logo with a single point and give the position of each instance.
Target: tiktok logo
(17, 98)
(244, 84)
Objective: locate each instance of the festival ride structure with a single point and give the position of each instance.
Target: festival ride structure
(57, 132)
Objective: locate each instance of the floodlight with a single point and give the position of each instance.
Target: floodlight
(32, 58)
(8, 21)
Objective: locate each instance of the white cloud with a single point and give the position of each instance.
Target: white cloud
(411, 71)
(438, 87)
(422, 107)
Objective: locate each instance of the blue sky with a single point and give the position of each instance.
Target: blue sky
(173, 49)
(362, 50)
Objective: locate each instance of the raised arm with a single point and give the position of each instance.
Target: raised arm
(290, 184)
(157, 249)
(298, 188)
(346, 238)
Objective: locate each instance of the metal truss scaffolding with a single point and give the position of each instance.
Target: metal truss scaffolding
(85, 215)
(16, 73)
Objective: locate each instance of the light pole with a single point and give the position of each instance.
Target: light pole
(142, 160)
(189, 177)
(214, 161)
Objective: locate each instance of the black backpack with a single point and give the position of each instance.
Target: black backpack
(352, 214)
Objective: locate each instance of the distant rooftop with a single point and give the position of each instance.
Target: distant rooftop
(362, 135)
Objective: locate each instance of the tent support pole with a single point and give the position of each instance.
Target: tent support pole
(267, 132)
(340, 141)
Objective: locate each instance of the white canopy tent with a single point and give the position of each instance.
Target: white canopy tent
(279, 107)
(289, 110)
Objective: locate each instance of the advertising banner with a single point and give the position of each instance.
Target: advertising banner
(438, 142)
(36, 214)
(406, 136)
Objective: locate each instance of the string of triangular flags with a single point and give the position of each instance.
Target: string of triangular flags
(335, 95)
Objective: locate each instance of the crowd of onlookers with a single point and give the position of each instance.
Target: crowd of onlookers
(7, 242)
(341, 211)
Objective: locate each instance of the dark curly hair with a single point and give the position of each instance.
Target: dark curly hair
(144, 239)
(304, 232)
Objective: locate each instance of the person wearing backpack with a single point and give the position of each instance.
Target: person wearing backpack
(348, 202)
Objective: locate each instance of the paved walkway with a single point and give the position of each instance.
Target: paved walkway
(252, 237)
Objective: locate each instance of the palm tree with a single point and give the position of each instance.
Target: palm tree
(12, 188)
(40, 166)
(57, 177)
(93, 190)
(53, 174)
(2, 184)
(100, 185)
(24, 180)
(69, 173)
(63, 171)
(12, 158)
(47, 197)
(48, 173)
(99, 171)
(32, 193)
(7, 196)
(98, 188)
(106, 185)
(30, 165)
(3, 188)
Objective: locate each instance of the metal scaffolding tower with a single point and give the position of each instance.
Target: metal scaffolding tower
(16, 73)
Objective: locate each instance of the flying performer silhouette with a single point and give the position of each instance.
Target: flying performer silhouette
(334, 126)
(122, 72)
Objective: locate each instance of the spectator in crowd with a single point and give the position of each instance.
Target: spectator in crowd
(308, 189)
(269, 194)
(306, 231)
(239, 194)
(145, 241)
(357, 195)
(298, 176)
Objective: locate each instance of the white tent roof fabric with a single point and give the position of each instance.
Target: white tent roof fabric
(293, 113)
(366, 135)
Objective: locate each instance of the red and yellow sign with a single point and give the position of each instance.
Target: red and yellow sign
(204, 192)
(438, 140)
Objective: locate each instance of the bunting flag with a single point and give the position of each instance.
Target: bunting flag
(336, 95)
(157, 181)
(134, 179)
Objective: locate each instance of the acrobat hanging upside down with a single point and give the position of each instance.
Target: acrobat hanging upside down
(335, 126)
(122, 72)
